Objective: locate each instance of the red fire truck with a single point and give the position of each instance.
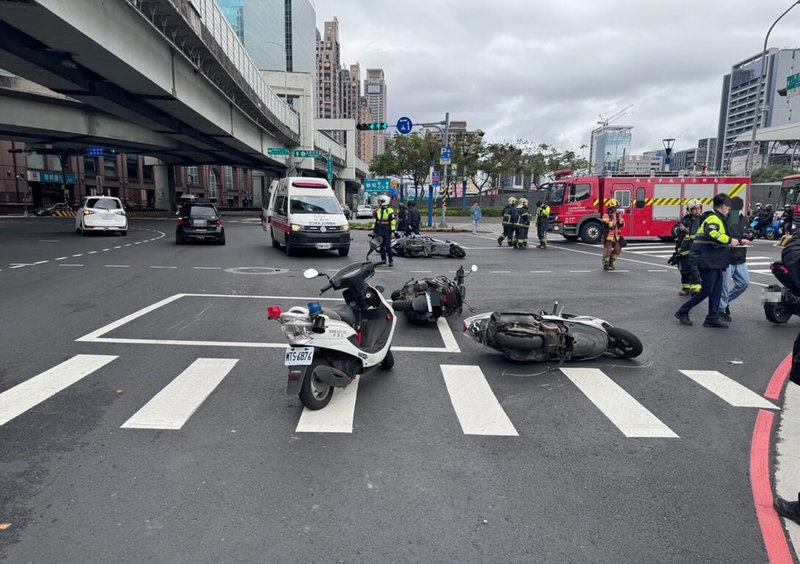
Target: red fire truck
(651, 204)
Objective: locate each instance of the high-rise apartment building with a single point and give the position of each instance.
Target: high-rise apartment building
(329, 75)
(365, 149)
(375, 93)
(738, 108)
(609, 144)
(277, 34)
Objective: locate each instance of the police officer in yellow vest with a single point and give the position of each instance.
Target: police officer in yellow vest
(384, 226)
(711, 253)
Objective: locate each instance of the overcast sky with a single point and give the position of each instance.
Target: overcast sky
(543, 70)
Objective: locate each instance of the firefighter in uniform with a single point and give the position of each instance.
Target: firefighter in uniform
(384, 226)
(711, 251)
(522, 224)
(685, 231)
(612, 241)
(542, 223)
(509, 219)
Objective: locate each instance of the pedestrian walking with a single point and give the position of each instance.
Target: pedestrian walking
(542, 223)
(413, 219)
(509, 219)
(522, 225)
(711, 251)
(477, 214)
(384, 226)
(685, 231)
(737, 270)
(612, 234)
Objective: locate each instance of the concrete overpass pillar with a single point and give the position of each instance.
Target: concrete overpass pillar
(338, 186)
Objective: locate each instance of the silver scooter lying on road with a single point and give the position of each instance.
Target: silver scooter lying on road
(556, 336)
(329, 347)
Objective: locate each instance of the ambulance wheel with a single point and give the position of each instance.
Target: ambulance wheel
(290, 250)
(590, 232)
(275, 242)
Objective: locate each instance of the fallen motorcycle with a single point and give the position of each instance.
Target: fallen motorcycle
(428, 299)
(556, 336)
(781, 302)
(329, 347)
(414, 246)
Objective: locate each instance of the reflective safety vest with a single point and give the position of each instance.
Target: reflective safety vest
(710, 249)
(385, 217)
(713, 230)
(543, 215)
(523, 217)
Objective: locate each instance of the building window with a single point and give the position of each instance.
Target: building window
(191, 174)
(147, 172)
(110, 167)
(133, 166)
(89, 166)
(212, 185)
(229, 177)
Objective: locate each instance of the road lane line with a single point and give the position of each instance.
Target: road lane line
(60, 258)
(172, 406)
(163, 267)
(728, 389)
(627, 414)
(450, 343)
(207, 267)
(67, 264)
(499, 272)
(336, 417)
(476, 406)
(28, 394)
(117, 266)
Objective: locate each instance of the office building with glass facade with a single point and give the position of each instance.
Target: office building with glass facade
(609, 145)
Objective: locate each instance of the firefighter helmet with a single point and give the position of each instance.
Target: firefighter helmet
(512, 200)
(691, 204)
(612, 203)
(768, 207)
(758, 205)
(522, 202)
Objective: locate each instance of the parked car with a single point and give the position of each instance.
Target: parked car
(363, 211)
(101, 213)
(348, 213)
(48, 210)
(199, 222)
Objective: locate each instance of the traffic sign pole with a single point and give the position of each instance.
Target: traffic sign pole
(444, 171)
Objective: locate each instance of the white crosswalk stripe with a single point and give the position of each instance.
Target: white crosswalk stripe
(336, 417)
(476, 406)
(727, 389)
(30, 393)
(629, 416)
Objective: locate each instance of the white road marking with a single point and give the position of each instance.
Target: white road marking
(579, 271)
(728, 389)
(59, 258)
(499, 272)
(541, 271)
(173, 405)
(105, 250)
(67, 264)
(163, 267)
(92, 252)
(117, 266)
(749, 264)
(658, 270)
(476, 406)
(28, 394)
(420, 271)
(627, 414)
(207, 267)
(78, 255)
(336, 417)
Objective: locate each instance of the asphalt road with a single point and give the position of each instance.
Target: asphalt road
(115, 323)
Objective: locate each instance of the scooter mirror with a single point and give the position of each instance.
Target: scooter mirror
(474, 268)
(310, 273)
(380, 287)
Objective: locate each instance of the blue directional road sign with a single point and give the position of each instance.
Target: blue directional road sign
(404, 125)
(96, 151)
(375, 185)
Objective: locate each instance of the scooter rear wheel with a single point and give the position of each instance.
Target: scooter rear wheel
(313, 393)
(777, 313)
(623, 343)
(457, 252)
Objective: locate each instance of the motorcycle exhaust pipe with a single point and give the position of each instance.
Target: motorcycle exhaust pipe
(332, 376)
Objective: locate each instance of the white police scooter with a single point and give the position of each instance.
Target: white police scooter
(329, 347)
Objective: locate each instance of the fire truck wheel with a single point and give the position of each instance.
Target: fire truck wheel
(590, 232)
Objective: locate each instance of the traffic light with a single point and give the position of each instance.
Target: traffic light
(372, 126)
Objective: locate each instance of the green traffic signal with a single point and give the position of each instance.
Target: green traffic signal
(372, 126)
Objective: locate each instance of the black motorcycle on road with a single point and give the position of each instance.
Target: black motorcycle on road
(414, 246)
(428, 299)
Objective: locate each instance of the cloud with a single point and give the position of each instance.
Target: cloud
(544, 70)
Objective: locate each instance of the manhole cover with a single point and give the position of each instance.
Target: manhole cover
(257, 270)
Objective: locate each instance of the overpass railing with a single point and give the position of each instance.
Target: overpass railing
(328, 145)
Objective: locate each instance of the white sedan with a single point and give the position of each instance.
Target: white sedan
(363, 211)
(101, 213)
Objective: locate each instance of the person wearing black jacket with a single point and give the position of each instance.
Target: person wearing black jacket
(413, 219)
(737, 228)
(684, 232)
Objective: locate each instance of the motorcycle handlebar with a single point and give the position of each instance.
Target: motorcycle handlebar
(326, 288)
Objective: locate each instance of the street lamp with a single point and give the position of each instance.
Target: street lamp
(286, 72)
(758, 112)
(668, 144)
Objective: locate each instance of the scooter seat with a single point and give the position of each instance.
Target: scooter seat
(343, 312)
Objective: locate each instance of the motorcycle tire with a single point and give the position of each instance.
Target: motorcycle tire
(777, 313)
(396, 294)
(771, 235)
(313, 393)
(388, 360)
(623, 343)
(401, 305)
(457, 252)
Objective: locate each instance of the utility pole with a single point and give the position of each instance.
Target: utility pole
(445, 139)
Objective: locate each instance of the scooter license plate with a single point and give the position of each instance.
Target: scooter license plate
(299, 356)
(771, 297)
(323, 245)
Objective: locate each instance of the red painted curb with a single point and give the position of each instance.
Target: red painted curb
(772, 530)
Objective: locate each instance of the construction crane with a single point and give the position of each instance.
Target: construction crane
(604, 121)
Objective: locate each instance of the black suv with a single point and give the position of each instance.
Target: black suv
(200, 222)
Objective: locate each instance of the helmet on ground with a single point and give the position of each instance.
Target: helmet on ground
(612, 203)
(691, 204)
(512, 200)
(384, 200)
(522, 202)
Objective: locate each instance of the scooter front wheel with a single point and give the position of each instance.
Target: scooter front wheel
(623, 343)
(314, 393)
(388, 360)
